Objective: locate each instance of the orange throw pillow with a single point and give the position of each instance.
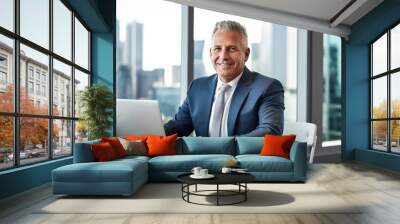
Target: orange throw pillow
(161, 145)
(103, 151)
(116, 145)
(277, 145)
(135, 137)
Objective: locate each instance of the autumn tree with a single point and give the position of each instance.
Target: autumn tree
(6, 122)
(33, 131)
(81, 129)
(395, 123)
(380, 127)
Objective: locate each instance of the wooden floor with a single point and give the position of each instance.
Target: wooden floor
(377, 188)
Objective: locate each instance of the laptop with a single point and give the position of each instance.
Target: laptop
(139, 117)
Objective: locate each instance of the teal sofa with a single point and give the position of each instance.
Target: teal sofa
(125, 176)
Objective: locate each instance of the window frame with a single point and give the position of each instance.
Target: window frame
(16, 115)
(388, 74)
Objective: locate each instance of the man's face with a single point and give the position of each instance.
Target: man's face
(229, 54)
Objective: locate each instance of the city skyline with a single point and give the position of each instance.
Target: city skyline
(273, 52)
(134, 81)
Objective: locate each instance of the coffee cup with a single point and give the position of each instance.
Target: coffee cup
(203, 172)
(226, 170)
(196, 170)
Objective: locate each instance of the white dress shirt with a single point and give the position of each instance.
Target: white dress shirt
(228, 97)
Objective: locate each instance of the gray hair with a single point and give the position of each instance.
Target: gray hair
(230, 26)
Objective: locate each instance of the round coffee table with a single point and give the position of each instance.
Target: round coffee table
(238, 179)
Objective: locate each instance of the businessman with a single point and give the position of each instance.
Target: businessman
(234, 101)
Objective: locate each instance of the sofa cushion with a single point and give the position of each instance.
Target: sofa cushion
(249, 145)
(257, 163)
(133, 158)
(111, 171)
(206, 145)
(185, 163)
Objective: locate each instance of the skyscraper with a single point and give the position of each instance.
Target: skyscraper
(124, 80)
(199, 69)
(146, 82)
(176, 74)
(332, 88)
(134, 53)
(120, 45)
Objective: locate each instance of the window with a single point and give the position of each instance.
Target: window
(38, 89)
(3, 72)
(44, 131)
(149, 49)
(385, 97)
(149, 52)
(81, 45)
(35, 21)
(44, 91)
(62, 29)
(55, 102)
(39, 62)
(273, 51)
(30, 72)
(61, 75)
(3, 78)
(33, 147)
(6, 73)
(395, 47)
(30, 87)
(7, 14)
(37, 75)
(81, 81)
(6, 142)
(62, 137)
(3, 61)
(331, 106)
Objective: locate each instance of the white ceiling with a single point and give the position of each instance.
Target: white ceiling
(320, 9)
(315, 15)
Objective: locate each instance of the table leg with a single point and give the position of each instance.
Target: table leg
(182, 188)
(217, 194)
(245, 191)
(188, 190)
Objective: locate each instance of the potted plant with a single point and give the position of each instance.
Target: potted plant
(97, 105)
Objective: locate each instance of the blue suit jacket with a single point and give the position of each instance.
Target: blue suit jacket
(256, 108)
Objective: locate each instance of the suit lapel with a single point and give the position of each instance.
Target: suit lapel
(208, 100)
(238, 98)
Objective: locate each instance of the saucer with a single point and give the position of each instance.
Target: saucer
(240, 171)
(208, 176)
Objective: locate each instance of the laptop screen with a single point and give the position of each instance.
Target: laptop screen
(139, 117)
